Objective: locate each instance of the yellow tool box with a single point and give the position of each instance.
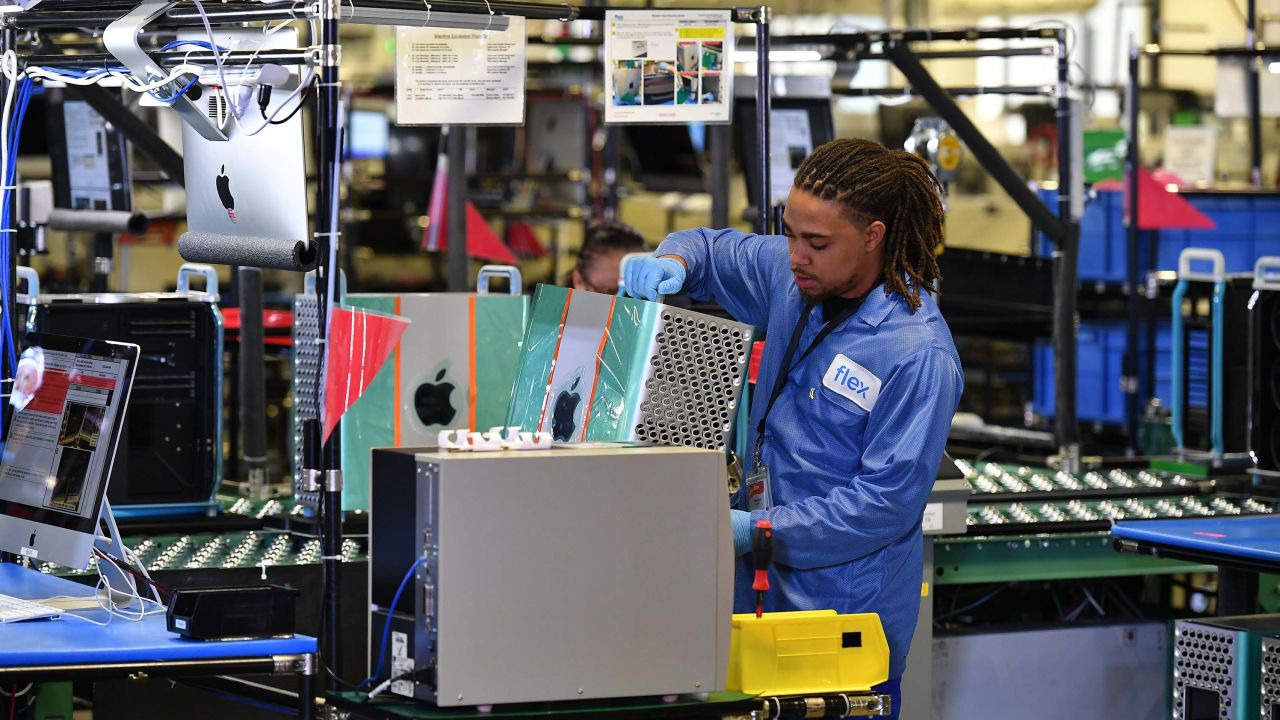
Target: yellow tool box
(807, 653)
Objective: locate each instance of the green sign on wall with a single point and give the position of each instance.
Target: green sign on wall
(1104, 152)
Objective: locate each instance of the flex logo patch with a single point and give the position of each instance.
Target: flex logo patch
(853, 381)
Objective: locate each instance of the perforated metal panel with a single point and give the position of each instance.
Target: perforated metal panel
(1207, 658)
(697, 370)
(306, 373)
(1270, 678)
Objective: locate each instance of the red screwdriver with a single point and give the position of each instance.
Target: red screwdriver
(762, 555)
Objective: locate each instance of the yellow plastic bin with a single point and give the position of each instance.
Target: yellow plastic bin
(807, 653)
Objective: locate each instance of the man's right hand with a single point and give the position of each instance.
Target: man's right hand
(649, 278)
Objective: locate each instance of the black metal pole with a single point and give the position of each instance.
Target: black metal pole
(612, 160)
(1157, 34)
(103, 255)
(987, 155)
(250, 366)
(962, 91)
(1064, 299)
(328, 143)
(719, 138)
(1135, 274)
(764, 201)
(458, 263)
(1255, 98)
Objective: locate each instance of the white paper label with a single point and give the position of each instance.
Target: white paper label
(790, 142)
(461, 77)
(932, 520)
(28, 552)
(401, 663)
(853, 381)
(668, 66)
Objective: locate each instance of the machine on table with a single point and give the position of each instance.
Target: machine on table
(472, 535)
(454, 367)
(170, 456)
(1218, 667)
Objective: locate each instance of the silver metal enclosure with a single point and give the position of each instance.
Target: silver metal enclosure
(552, 575)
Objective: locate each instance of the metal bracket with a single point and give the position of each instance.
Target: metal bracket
(333, 481)
(121, 39)
(311, 481)
(325, 55)
(305, 664)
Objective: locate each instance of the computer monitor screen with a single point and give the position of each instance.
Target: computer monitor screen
(368, 135)
(89, 157)
(60, 447)
(665, 158)
(796, 127)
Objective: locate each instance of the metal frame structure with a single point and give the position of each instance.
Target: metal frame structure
(324, 54)
(1061, 228)
(1137, 380)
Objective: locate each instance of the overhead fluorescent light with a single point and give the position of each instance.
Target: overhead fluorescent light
(424, 18)
(749, 56)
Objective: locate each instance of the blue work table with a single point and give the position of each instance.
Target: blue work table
(70, 649)
(1241, 547)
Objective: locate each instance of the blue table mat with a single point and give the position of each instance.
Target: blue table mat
(1253, 538)
(68, 641)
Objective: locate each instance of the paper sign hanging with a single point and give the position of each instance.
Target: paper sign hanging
(461, 77)
(668, 66)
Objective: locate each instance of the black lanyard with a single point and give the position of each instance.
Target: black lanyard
(784, 370)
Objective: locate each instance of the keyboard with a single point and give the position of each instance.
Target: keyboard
(14, 609)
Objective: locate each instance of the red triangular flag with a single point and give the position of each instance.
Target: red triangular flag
(523, 240)
(1160, 209)
(359, 344)
(482, 242)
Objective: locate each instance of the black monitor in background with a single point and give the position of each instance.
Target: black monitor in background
(796, 126)
(89, 157)
(667, 158)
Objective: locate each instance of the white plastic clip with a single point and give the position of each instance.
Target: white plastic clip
(445, 439)
(485, 442)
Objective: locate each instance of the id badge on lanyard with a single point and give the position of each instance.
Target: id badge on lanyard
(759, 494)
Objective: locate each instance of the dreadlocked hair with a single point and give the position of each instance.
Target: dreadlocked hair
(895, 187)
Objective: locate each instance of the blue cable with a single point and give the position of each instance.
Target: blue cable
(386, 628)
(171, 100)
(198, 43)
(10, 176)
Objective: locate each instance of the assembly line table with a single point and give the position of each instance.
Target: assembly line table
(1241, 547)
(68, 649)
(713, 706)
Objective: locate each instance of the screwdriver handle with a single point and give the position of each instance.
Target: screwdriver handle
(762, 554)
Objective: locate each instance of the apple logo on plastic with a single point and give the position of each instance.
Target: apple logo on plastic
(563, 416)
(433, 403)
(224, 193)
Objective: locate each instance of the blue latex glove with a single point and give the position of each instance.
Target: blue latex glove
(741, 531)
(648, 278)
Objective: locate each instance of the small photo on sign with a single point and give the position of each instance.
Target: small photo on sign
(687, 57)
(659, 83)
(711, 91)
(713, 56)
(687, 88)
(627, 82)
(639, 49)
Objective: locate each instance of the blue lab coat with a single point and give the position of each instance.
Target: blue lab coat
(853, 442)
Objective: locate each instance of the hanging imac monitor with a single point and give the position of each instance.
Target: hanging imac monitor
(90, 158)
(59, 449)
(254, 183)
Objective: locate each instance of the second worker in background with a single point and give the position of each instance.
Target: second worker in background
(857, 386)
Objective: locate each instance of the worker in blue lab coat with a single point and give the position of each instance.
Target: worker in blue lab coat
(857, 386)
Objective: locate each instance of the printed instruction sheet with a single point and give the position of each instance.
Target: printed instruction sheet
(461, 77)
(668, 66)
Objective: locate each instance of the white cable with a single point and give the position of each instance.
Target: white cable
(217, 59)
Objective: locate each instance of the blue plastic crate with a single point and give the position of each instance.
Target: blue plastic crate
(1099, 365)
(1248, 227)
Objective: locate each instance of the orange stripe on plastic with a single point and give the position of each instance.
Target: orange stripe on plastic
(546, 400)
(471, 350)
(396, 392)
(586, 416)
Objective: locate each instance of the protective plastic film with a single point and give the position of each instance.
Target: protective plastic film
(454, 368)
(599, 368)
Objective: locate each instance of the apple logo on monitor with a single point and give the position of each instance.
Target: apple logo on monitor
(564, 414)
(223, 183)
(433, 401)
